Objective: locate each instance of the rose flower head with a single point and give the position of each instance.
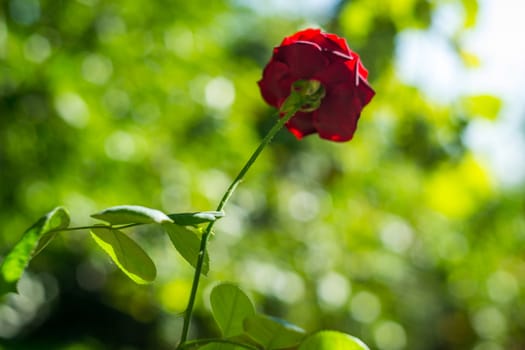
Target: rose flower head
(311, 55)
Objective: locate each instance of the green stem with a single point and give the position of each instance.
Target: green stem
(118, 227)
(204, 240)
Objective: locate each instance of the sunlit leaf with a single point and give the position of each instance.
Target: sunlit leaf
(32, 242)
(126, 254)
(187, 244)
(191, 219)
(131, 214)
(230, 307)
(272, 333)
(43, 242)
(58, 219)
(332, 340)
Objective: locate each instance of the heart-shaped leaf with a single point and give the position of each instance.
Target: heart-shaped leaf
(32, 242)
(332, 340)
(131, 214)
(273, 333)
(187, 244)
(230, 307)
(126, 254)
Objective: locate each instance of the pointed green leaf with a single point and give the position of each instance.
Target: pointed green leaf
(332, 340)
(32, 242)
(192, 219)
(43, 242)
(230, 307)
(187, 244)
(58, 219)
(131, 214)
(126, 254)
(273, 333)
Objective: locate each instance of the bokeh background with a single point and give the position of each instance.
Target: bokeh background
(411, 236)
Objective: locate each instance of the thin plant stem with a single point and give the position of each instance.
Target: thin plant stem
(117, 227)
(204, 240)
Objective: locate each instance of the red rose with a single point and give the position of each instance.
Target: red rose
(314, 55)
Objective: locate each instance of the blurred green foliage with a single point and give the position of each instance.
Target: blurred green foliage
(400, 237)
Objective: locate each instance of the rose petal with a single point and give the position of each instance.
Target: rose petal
(364, 92)
(363, 72)
(330, 42)
(303, 35)
(340, 42)
(301, 124)
(335, 74)
(276, 82)
(336, 119)
(303, 58)
(354, 65)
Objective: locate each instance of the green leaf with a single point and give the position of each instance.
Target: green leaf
(192, 219)
(332, 340)
(273, 333)
(43, 242)
(221, 346)
(230, 306)
(131, 214)
(57, 219)
(187, 244)
(32, 242)
(126, 254)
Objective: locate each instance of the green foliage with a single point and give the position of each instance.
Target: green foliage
(221, 346)
(193, 219)
(187, 244)
(126, 254)
(230, 308)
(124, 251)
(271, 332)
(234, 313)
(32, 242)
(184, 240)
(130, 214)
(54, 221)
(332, 340)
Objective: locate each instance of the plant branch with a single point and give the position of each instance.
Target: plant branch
(204, 240)
(117, 227)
